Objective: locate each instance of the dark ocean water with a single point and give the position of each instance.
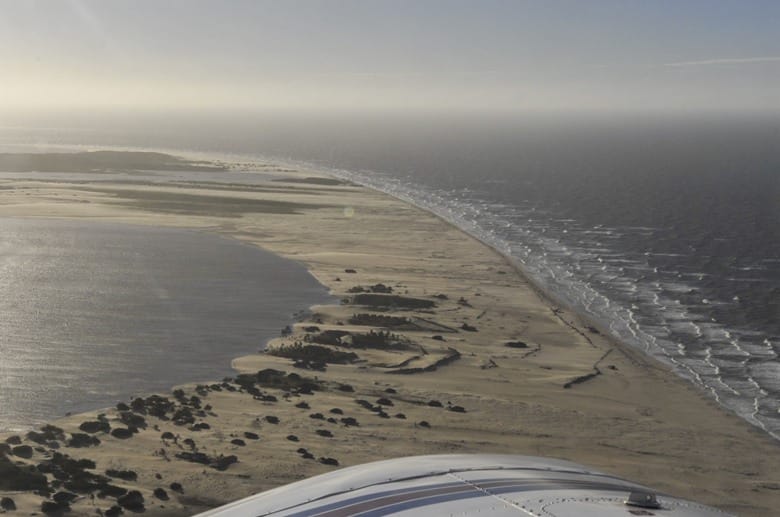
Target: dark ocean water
(664, 229)
(93, 313)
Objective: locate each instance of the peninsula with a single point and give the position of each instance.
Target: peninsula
(438, 345)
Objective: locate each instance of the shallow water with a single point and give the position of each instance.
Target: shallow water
(93, 313)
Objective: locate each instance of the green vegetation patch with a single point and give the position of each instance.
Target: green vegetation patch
(327, 337)
(381, 320)
(16, 477)
(381, 340)
(391, 300)
(313, 356)
(376, 288)
(270, 378)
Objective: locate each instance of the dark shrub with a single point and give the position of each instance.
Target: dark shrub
(64, 497)
(82, 440)
(122, 433)
(15, 477)
(380, 320)
(23, 451)
(515, 344)
(313, 354)
(114, 511)
(127, 475)
(50, 507)
(327, 337)
(95, 426)
(391, 300)
(133, 500)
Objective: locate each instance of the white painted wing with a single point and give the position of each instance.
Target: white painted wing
(462, 484)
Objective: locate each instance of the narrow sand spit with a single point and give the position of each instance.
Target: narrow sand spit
(438, 346)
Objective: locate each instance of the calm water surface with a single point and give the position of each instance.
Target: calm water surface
(93, 313)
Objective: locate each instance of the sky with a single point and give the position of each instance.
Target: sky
(358, 55)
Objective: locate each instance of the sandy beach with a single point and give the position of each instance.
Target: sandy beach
(439, 345)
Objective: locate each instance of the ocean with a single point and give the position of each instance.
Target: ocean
(662, 228)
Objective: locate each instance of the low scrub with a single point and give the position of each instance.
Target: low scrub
(327, 337)
(376, 288)
(379, 320)
(313, 354)
(391, 300)
(379, 340)
(382, 340)
(270, 378)
(19, 477)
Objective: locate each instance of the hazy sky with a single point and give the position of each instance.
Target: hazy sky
(364, 54)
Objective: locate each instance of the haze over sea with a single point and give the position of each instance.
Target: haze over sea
(664, 229)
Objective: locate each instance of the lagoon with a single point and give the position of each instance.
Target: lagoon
(93, 313)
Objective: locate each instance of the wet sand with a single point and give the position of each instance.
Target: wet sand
(454, 351)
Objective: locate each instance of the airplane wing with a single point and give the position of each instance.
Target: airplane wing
(464, 484)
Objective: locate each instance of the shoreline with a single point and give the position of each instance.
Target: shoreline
(584, 321)
(658, 357)
(636, 419)
(704, 364)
